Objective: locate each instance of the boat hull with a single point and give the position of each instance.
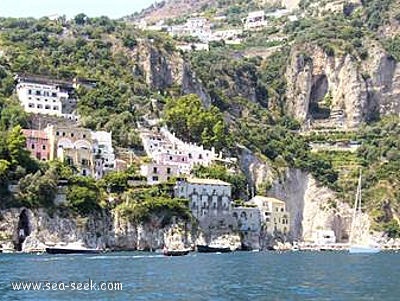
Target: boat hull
(176, 252)
(363, 250)
(72, 251)
(208, 249)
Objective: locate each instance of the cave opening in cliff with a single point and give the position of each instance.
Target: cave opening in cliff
(24, 229)
(320, 98)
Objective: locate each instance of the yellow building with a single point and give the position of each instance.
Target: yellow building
(274, 217)
(74, 146)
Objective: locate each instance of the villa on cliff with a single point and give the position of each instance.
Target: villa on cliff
(89, 151)
(207, 197)
(273, 215)
(169, 153)
(255, 20)
(45, 96)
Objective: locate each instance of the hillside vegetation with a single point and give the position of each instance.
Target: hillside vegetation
(248, 101)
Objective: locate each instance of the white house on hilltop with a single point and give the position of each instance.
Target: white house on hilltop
(41, 96)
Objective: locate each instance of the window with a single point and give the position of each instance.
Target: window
(84, 136)
(39, 106)
(155, 178)
(33, 146)
(190, 156)
(63, 134)
(30, 92)
(55, 108)
(53, 94)
(46, 100)
(31, 105)
(200, 156)
(43, 147)
(38, 93)
(154, 169)
(47, 107)
(170, 158)
(168, 170)
(72, 134)
(282, 209)
(57, 133)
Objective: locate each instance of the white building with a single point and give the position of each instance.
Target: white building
(255, 20)
(273, 214)
(195, 27)
(104, 152)
(158, 173)
(193, 47)
(248, 218)
(207, 197)
(39, 96)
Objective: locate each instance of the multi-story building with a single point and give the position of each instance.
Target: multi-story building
(104, 153)
(43, 96)
(91, 153)
(248, 218)
(274, 217)
(255, 20)
(207, 197)
(74, 146)
(37, 143)
(158, 173)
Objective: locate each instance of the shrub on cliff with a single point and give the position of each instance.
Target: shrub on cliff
(83, 195)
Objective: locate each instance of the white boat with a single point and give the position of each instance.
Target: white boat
(358, 244)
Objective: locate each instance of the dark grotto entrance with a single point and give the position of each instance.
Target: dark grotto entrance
(24, 230)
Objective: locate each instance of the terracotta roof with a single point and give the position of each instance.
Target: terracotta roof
(208, 182)
(34, 134)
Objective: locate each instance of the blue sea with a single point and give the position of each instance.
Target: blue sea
(235, 276)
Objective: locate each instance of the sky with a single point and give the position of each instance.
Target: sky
(70, 8)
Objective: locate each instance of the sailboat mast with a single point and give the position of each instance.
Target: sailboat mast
(357, 209)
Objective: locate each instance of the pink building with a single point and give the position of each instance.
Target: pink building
(37, 143)
(180, 160)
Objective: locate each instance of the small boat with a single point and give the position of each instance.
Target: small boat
(182, 252)
(364, 249)
(212, 249)
(72, 248)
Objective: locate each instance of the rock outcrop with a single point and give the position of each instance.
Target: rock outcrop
(163, 70)
(358, 90)
(29, 230)
(312, 207)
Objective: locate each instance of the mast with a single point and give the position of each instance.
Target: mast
(356, 211)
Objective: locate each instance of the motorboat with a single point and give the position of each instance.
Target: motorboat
(212, 249)
(71, 248)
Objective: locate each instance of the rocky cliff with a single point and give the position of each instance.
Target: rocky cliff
(164, 70)
(28, 230)
(311, 206)
(358, 90)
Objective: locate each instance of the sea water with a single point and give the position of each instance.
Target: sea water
(235, 276)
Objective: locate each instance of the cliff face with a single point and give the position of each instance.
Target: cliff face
(360, 90)
(27, 230)
(163, 70)
(24, 230)
(312, 207)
